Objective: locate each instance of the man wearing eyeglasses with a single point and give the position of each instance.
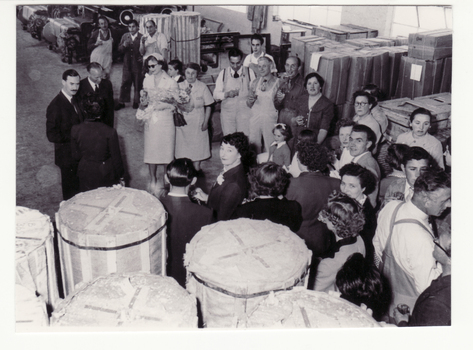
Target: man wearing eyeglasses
(434, 306)
(404, 239)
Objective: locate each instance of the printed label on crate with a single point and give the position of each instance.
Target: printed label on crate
(416, 72)
(314, 60)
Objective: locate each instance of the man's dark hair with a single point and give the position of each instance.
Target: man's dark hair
(370, 135)
(180, 172)
(135, 22)
(418, 153)
(431, 180)
(396, 155)
(235, 52)
(257, 37)
(70, 73)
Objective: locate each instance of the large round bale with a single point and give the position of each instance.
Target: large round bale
(233, 265)
(34, 255)
(110, 230)
(128, 300)
(302, 308)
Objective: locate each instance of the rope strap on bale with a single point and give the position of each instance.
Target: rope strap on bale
(246, 296)
(111, 248)
(186, 40)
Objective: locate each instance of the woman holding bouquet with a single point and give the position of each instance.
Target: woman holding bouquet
(158, 100)
(192, 140)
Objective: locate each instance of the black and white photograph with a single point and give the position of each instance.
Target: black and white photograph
(225, 175)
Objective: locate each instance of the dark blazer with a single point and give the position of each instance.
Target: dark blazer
(224, 198)
(280, 211)
(60, 118)
(185, 219)
(106, 92)
(132, 59)
(95, 145)
(369, 229)
(311, 190)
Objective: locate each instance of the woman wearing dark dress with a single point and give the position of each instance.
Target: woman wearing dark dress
(315, 111)
(231, 186)
(357, 183)
(185, 218)
(95, 145)
(268, 182)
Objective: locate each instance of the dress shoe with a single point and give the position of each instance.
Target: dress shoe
(119, 106)
(135, 105)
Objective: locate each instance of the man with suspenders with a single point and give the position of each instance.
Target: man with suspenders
(404, 239)
(231, 88)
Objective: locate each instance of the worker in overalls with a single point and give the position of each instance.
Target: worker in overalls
(232, 89)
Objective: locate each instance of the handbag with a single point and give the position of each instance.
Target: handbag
(179, 119)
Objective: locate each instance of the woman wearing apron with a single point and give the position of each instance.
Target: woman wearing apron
(192, 140)
(260, 100)
(101, 43)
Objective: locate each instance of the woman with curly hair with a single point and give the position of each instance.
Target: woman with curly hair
(268, 182)
(312, 189)
(343, 216)
(358, 183)
(231, 186)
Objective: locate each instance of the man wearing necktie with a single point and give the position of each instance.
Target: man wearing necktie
(231, 88)
(62, 113)
(96, 83)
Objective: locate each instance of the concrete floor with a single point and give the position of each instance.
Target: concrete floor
(39, 72)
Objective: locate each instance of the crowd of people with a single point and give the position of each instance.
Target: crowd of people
(285, 158)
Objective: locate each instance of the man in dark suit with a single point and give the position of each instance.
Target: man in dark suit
(132, 64)
(62, 113)
(95, 83)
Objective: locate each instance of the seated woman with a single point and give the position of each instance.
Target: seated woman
(420, 122)
(315, 111)
(231, 186)
(360, 282)
(344, 218)
(185, 218)
(357, 183)
(95, 145)
(364, 102)
(268, 182)
(394, 157)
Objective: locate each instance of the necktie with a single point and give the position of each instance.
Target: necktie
(96, 88)
(76, 108)
(236, 75)
(190, 86)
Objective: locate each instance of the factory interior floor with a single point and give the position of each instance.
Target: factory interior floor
(38, 81)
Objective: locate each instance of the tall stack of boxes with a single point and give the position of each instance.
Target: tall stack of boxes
(348, 57)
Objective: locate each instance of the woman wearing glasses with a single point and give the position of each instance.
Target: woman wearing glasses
(156, 110)
(364, 102)
(315, 111)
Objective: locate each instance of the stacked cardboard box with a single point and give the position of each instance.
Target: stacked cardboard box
(431, 45)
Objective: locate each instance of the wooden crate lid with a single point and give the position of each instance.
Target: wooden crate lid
(128, 300)
(30, 310)
(110, 212)
(246, 256)
(302, 308)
